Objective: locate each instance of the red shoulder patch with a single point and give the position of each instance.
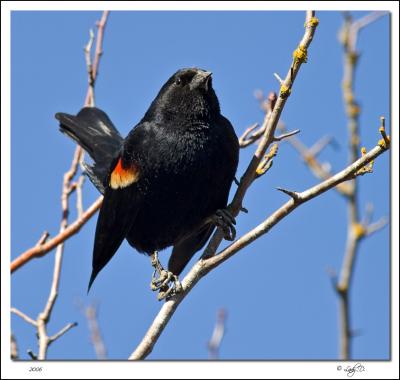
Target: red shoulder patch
(122, 177)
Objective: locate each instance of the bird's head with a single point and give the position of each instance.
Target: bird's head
(188, 94)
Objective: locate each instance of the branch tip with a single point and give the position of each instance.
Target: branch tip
(312, 22)
(385, 141)
(66, 328)
(285, 135)
(43, 238)
(266, 162)
(292, 194)
(31, 354)
(280, 80)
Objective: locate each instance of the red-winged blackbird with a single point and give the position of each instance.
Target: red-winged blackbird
(167, 183)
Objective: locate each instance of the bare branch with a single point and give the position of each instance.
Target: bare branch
(65, 231)
(246, 133)
(286, 135)
(377, 226)
(41, 250)
(361, 23)
(23, 316)
(291, 194)
(79, 197)
(292, 204)
(89, 66)
(44, 316)
(269, 127)
(214, 343)
(43, 238)
(356, 230)
(268, 105)
(95, 333)
(320, 145)
(309, 157)
(369, 213)
(279, 79)
(266, 162)
(72, 229)
(94, 68)
(13, 348)
(206, 264)
(32, 355)
(66, 328)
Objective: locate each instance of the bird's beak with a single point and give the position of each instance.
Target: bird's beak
(201, 80)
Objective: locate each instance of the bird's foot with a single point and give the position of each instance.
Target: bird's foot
(224, 219)
(162, 283)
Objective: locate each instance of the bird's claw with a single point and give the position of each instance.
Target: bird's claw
(166, 291)
(225, 220)
(164, 279)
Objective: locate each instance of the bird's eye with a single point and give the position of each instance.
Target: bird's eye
(178, 81)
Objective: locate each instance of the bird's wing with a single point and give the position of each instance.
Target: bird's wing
(186, 248)
(92, 129)
(117, 214)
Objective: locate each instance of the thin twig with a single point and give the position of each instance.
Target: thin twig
(320, 145)
(13, 348)
(309, 157)
(356, 230)
(44, 316)
(66, 328)
(79, 197)
(375, 227)
(91, 80)
(72, 229)
(361, 23)
(32, 355)
(23, 316)
(286, 135)
(251, 135)
(43, 238)
(41, 250)
(44, 340)
(214, 343)
(95, 333)
(269, 127)
(89, 101)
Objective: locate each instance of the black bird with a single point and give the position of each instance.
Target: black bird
(167, 183)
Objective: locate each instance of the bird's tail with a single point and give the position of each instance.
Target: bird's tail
(95, 133)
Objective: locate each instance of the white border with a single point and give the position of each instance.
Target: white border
(201, 5)
(101, 370)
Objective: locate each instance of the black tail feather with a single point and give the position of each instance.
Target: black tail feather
(92, 129)
(117, 214)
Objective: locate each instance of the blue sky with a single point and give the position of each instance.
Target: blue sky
(277, 293)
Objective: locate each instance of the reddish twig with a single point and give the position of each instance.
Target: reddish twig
(94, 68)
(42, 247)
(72, 229)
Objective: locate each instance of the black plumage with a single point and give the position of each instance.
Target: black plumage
(162, 183)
